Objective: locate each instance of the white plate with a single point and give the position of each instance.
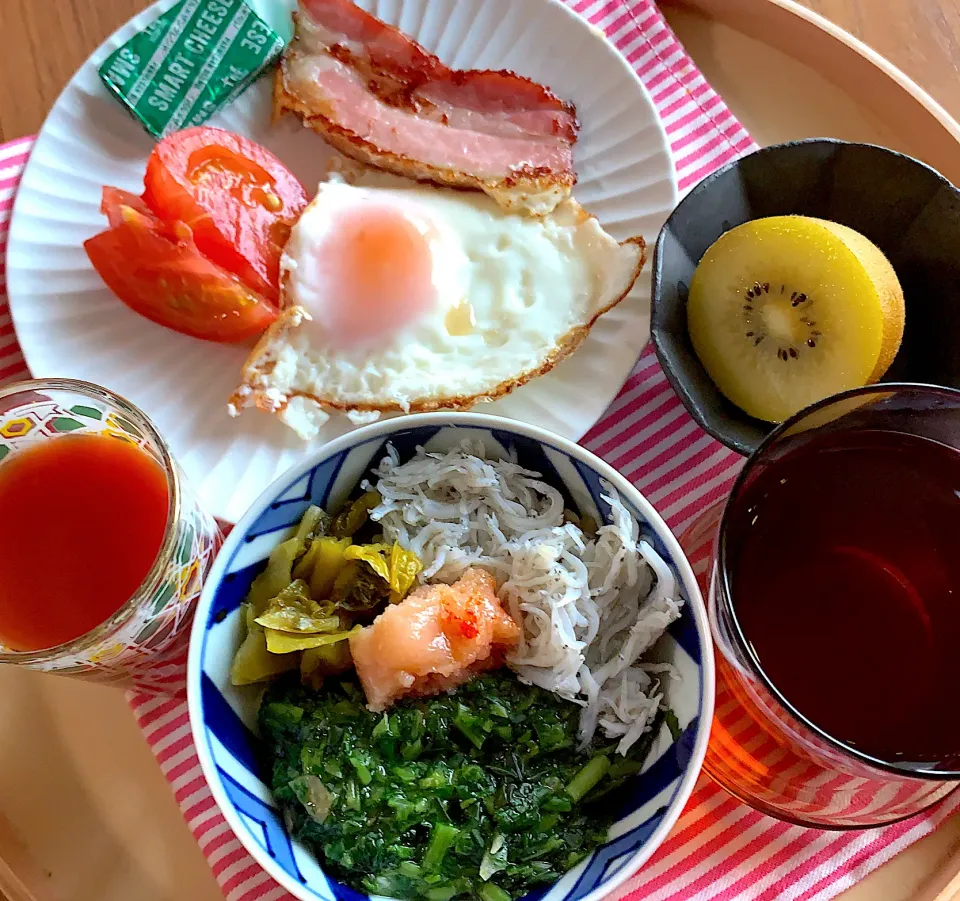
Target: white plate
(70, 325)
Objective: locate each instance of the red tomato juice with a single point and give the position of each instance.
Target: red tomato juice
(82, 518)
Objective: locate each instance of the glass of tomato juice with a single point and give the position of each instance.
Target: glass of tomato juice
(103, 545)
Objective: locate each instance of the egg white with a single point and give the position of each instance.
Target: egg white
(514, 294)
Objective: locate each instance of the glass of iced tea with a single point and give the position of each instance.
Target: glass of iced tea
(103, 546)
(835, 610)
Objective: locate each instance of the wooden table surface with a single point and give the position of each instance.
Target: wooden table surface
(42, 42)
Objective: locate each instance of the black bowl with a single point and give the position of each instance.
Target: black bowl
(910, 211)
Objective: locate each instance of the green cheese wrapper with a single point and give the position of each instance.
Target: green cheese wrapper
(190, 62)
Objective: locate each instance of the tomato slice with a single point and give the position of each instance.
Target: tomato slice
(121, 206)
(238, 198)
(157, 271)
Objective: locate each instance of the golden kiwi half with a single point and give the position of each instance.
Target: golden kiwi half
(787, 310)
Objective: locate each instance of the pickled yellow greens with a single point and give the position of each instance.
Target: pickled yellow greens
(286, 642)
(277, 575)
(293, 610)
(348, 521)
(253, 662)
(396, 566)
(321, 563)
(316, 588)
(328, 660)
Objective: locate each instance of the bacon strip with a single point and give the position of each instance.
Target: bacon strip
(379, 97)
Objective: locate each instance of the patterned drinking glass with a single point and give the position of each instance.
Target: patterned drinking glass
(762, 750)
(142, 645)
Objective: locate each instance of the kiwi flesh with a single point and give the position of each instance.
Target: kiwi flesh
(787, 310)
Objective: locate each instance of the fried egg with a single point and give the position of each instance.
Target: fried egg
(400, 296)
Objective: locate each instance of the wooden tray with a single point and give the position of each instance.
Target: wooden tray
(114, 831)
(788, 73)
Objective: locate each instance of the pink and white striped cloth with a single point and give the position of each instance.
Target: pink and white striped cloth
(720, 850)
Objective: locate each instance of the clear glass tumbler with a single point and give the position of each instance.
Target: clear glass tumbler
(142, 645)
(762, 748)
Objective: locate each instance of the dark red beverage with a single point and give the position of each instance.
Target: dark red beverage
(843, 558)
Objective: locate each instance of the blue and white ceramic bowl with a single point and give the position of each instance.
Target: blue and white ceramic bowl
(223, 717)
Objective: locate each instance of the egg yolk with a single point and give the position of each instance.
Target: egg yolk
(380, 267)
